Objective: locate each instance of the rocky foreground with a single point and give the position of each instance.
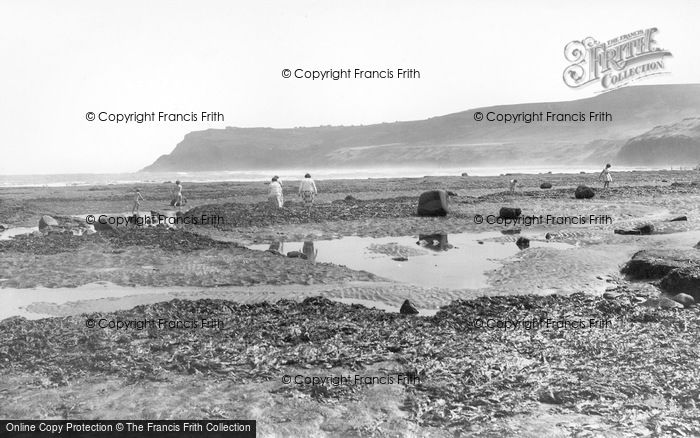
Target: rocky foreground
(633, 365)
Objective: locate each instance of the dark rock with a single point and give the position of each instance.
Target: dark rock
(682, 280)
(550, 236)
(509, 212)
(584, 192)
(678, 219)
(523, 242)
(684, 299)
(465, 174)
(296, 255)
(400, 259)
(451, 193)
(408, 309)
(511, 231)
(433, 203)
(47, 221)
(350, 198)
(641, 230)
(582, 172)
(3, 227)
(546, 185)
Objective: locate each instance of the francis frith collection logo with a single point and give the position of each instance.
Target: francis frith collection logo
(616, 62)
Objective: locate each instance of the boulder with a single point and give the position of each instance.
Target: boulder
(655, 264)
(684, 299)
(465, 174)
(350, 198)
(679, 219)
(523, 242)
(584, 192)
(682, 280)
(296, 255)
(509, 212)
(433, 203)
(3, 227)
(407, 308)
(546, 185)
(47, 221)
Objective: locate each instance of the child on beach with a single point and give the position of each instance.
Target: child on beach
(137, 202)
(275, 195)
(513, 184)
(607, 177)
(307, 190)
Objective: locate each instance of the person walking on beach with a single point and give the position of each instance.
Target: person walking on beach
(606, 176)
(177, 194)
(275, 195)
(307, 190)
(137, 203)
(513, 184)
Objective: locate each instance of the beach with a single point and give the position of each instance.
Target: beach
(334, 312)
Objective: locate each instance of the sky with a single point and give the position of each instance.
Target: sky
(61, 60)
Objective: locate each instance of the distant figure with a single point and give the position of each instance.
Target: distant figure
(607, 177)
(513, 184)
(307, 190)
(275, 195)
(177, 194)
(137, 202)
(309, 251)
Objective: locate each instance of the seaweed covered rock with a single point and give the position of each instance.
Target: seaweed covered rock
(433, 203)
(584, 192)
(546, 185)
(641, 230)
(655, 264)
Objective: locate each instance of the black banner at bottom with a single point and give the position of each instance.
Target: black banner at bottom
(128, 428)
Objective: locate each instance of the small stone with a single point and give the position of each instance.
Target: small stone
(523, 242)
(400, 259)
(679, 219)
(685, 299)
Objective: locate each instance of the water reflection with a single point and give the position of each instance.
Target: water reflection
(276, 248)
(436, 242)
(309, 251)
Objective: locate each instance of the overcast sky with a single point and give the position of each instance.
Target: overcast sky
(63, 59)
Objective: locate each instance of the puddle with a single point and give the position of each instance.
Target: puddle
(454, 261)
(11, 232)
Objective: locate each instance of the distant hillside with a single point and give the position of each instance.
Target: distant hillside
(454, 139)
(674, 144)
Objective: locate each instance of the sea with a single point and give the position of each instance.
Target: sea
(84, 179)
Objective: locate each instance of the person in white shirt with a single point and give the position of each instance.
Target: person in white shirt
(307, 190)
(275, 195)
(606, 176)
